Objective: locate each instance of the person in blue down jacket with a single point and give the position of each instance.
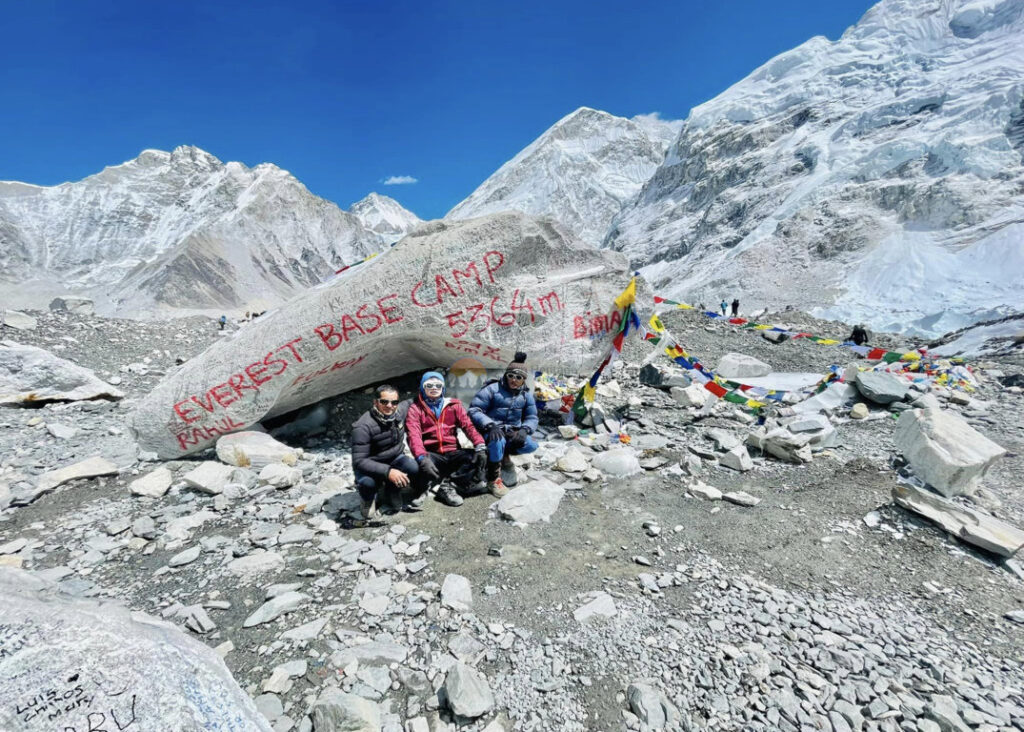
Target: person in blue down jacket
(505, 413)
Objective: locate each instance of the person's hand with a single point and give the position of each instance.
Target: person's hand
(398, 478)
(480, 459)
(494, 432)
(429, 469)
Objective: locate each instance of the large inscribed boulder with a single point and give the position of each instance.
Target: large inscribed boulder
(470, 293)
(68, 664)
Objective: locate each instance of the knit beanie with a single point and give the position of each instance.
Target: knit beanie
(518, 364)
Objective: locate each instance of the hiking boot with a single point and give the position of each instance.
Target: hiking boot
(497, 488)
(366, 509)
(509, 474)
(447, 495)
(417, 503)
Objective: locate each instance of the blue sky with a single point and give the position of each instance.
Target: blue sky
(345, 95)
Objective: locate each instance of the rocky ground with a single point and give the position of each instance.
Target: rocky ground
(639, 604)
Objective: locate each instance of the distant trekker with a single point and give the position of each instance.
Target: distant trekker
(735, 307)
(859, 335)
(725, 306)
(223, 321)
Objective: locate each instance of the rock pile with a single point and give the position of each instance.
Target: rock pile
(664, 565)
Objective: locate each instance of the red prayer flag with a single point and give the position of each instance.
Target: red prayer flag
(716, 389)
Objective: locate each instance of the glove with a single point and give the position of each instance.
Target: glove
(428, 468)
(480, 459)
(494, 432)
(518, 438)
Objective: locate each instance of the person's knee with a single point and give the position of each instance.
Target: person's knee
(366, 486)
(496, 450)
(529, 446)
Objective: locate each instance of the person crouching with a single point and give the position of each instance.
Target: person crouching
(431, 423)
(383, 471)
(506, 411)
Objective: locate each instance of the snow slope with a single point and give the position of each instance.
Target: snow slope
(878, 177)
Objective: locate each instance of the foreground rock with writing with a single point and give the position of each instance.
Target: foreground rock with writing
(108, 668)
(945, 451)
(30, 375)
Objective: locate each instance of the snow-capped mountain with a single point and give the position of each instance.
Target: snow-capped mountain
(385, 216)
(580, 171)
(173, 230)
(878, 177)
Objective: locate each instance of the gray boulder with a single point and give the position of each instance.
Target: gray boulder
(652, 706)
(30, 375)
(663, 376)
(694, 395)
(963, 522)
(739, 365)
(71, 304)
(457, 593)
(272, 609)
(531, 502)
(254, 450)
(881, 387)
(209, 477)
(945, 451)
(109, 666)
(468, 693)
(620, 462)
(336, 711)
(17, 320)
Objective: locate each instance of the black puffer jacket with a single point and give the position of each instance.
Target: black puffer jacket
(375, 445)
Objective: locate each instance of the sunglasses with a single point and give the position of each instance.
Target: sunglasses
(392, 402)
(516, 376)
(433, 385)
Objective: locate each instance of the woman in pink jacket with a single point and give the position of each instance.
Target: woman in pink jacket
(431, 424)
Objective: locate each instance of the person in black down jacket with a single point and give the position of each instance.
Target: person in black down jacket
(383, 470)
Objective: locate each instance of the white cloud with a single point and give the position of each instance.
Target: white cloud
(399, 180)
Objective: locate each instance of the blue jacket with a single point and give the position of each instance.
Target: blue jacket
(496, 402)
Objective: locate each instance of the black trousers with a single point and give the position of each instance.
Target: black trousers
(458, 467)
(368, 486)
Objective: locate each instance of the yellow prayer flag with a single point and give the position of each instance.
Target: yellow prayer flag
(628, 296)
(911, 356)
(588, 393)
(684, 306)
(827, 342)
(656, 325)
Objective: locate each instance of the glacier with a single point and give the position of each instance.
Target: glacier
(878, 177)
